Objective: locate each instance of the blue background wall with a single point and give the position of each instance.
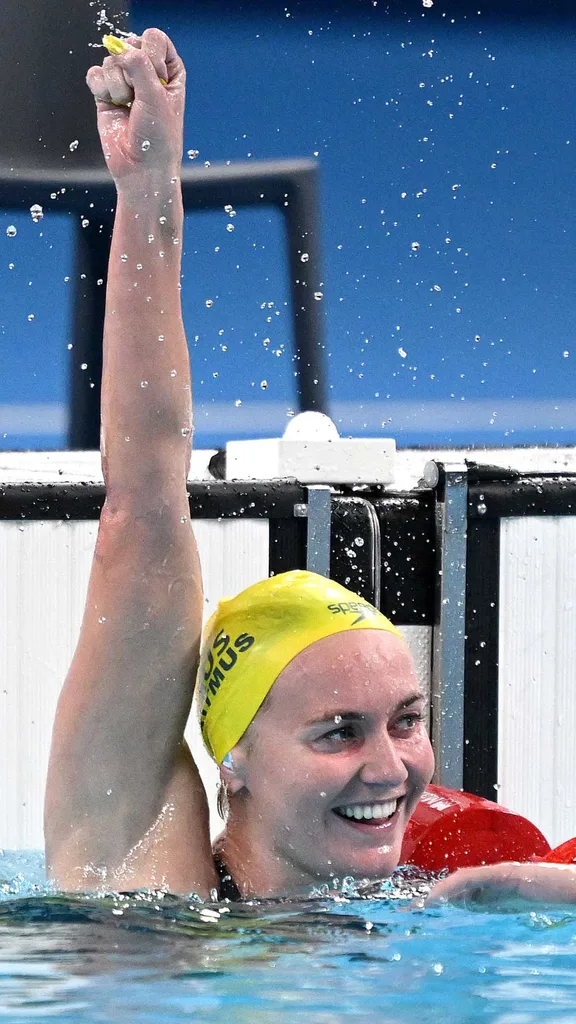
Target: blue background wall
(440, 126)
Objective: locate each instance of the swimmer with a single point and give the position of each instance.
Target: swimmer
(307, 698)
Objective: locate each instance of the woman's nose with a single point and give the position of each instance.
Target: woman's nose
(383, 764)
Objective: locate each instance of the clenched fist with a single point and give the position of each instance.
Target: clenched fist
(140, 117)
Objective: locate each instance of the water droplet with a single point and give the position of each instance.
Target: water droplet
(481, 508)
(30, 316)
(402, 352)
(146, 145)
(230, 210)
(143, 383)
(124, 257)
(305, 257)
(74, 145)
(455, 188)
(185, 431)
(318, 296)
(161, 337)
(337, 719)
(150, 239)
(438, 968)
(427, 3)
(266, 342)
(11, 231)
(229, 227)
(193, 153)
(437, 288)
(415, 246)
(83, 366)
(359, 542)
(209, 303)
(10, 266)
(173, 373)
(566, 354)
(215, 374)
(108, 792)
(36, 212)
(238, 403)
(183, 519)
(162, 219)
(102, 619)
(263, 384)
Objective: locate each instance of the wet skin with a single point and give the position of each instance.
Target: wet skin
(342, 726)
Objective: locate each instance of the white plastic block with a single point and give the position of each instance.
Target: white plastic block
(340, 461)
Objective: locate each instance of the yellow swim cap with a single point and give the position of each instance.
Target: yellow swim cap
(250, 638)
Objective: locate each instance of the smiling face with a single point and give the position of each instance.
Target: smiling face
(336, 760)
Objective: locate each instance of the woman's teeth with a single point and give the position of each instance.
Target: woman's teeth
(365, 812)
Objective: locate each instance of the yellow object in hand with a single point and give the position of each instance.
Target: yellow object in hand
(114, 45)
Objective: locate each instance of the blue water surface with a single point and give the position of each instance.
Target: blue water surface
(149, 958)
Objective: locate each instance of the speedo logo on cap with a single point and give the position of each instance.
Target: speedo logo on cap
(220, 659)
(359, 608)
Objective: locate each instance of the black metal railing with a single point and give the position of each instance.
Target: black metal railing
(289, 185)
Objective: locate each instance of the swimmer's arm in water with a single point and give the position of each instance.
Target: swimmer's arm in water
(125, 806)
(503, 885)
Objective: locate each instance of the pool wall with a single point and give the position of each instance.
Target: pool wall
(507, 700)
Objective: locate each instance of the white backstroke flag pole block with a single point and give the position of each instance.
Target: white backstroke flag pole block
(312, 452)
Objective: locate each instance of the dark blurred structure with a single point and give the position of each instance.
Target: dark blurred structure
(50, 111)
(49, 128)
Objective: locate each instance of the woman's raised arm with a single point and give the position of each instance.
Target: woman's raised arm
(125, 806)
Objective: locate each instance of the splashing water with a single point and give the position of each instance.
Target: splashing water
(348, 951)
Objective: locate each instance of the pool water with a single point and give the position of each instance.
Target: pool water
(323, 960)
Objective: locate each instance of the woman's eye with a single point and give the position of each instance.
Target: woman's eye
(343, 734)
(410, 721)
